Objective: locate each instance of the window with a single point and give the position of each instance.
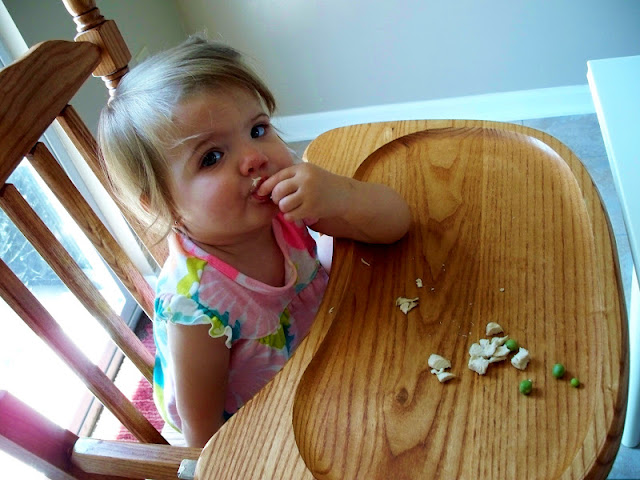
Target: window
(52, 388)
(28, 368)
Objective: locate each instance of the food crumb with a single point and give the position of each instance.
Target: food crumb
(487, 351)
(438, 366)
(419, 283)
(493, 328)
(365, 262)
(444, 376)
(478, 364)
(521, 359)
(406, 304)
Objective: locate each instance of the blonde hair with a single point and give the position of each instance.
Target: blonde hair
(136, 124)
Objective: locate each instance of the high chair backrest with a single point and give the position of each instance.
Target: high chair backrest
(36, 90)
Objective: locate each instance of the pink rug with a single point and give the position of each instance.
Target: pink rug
(142, 397)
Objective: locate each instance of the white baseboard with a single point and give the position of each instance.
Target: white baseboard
(501, 107)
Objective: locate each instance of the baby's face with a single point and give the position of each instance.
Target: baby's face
(225, 148)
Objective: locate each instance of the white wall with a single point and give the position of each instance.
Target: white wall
(378, 60)
(326, 55)
(155, 24)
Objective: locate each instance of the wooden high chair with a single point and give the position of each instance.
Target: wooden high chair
(508, 227)
(36, 90)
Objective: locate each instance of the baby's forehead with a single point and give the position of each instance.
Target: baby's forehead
(210, 115)
(236, 92)
(218, 106)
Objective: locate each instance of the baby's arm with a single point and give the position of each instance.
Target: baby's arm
(344, 207)
(201, 372)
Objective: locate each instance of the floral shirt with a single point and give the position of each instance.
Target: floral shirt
(262, 324)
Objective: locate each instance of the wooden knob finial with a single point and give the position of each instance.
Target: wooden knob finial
(92, 27)
(85, 14)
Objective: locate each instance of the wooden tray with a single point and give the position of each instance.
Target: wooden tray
(508, 228)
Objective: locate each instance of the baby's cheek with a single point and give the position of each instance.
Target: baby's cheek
(293, 157)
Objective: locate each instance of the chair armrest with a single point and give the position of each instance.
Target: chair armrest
(130, 459)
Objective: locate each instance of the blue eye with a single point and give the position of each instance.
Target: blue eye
(258, 131)
(210, 158)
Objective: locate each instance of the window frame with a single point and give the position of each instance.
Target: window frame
(12, 46)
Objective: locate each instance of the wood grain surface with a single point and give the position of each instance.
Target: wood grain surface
(93, 28)
(508, 227)
(79, 209)
(37, 96)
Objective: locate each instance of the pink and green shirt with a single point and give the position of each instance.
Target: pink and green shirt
(262, 324)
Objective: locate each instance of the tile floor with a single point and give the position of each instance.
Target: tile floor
(582, 134)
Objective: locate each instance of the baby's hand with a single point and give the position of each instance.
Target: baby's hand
(343, 207)
(306, 191)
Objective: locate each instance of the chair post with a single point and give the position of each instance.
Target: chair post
(34, 439)
(92, 27)
(37, 441)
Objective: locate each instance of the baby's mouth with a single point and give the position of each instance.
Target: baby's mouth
(254, 189)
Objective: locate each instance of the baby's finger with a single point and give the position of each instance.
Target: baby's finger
(268, 185)
(294, 215)
(289, 203)
(283, 189)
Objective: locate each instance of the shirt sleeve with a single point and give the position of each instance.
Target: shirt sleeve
(184, 310)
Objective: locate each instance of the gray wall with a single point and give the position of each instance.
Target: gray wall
(155, 24)
(323, 55)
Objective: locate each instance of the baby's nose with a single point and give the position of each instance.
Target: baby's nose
(252, 161)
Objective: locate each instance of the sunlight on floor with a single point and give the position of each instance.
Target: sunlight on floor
(33, 373)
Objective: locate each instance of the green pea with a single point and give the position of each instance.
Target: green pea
(512, 345)
(558, 370)
(575, 383)
(526, 386)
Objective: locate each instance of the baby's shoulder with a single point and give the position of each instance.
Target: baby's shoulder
(181, 274)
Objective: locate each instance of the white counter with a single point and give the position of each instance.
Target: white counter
(615, 88)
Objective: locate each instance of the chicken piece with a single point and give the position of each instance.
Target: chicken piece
(438, 363)
(521, 359)
(493, 329)
(406, 304)
(445, 376)
(478, 364)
